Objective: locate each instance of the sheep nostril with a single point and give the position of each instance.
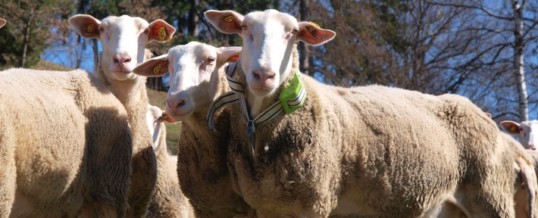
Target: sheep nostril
(127, 60)
(271, 76)
(181, 103)
(256, 76)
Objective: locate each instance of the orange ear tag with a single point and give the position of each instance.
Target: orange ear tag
(514, 129)
(90, 28)
(157, 69)
(162, 33)
(229, 19)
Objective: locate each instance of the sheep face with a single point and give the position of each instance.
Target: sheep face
(123, 40)
(268, 38)
(2, 22)
(191, 66)
(527, 131)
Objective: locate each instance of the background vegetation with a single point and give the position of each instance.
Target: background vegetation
(484, 50)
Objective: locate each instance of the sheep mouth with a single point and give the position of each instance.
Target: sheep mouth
(262, 91)
(180, 114)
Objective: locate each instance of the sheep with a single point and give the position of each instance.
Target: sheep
(123, 39)
(2, 22)
(527, 138)
(201, 160)
(361, 151)
(168, 199)
(65, 146)
(524, 130)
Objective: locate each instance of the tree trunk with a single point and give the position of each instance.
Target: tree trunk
(519, 70)
(95, 55)
(26, 39)
(192, 18)
(304, 51)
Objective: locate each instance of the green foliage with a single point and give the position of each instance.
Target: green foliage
(27, 33)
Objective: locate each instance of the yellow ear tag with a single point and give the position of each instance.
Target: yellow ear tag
(157, 69)
(229, 19)
(514, 129)
(315, 24)
(90, 28)
(162, 33)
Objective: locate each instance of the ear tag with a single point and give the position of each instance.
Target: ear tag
(162, 33)
(90, 28)
(228, 19)
(157, 69)
(514, 129)
(315, 24)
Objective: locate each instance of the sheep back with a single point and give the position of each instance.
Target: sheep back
(386, 151)
(66, 132)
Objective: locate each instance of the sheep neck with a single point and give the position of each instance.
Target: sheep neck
(133, 95)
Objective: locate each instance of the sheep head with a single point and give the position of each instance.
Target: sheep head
(527, 131)
(268, 41)
(123, 40)
(190, 66)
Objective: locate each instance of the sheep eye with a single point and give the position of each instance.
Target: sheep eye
(210, 60)
(146, 31)
(101, 29)
(294, 31)
(244, 27)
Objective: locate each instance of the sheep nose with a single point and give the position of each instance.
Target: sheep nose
(263, 75)
(121, 58)
(176, 103)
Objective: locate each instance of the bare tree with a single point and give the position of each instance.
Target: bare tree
(512, 28)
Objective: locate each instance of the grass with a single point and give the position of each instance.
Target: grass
(172, 130)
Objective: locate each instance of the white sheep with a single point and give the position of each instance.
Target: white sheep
(527, 131)
(123, 40)
(65, 146)
(201, 164)
(528, 137)
(2, 22)
(168, 199)
(314, 150)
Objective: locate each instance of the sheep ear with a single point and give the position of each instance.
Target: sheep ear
(226, 21)
(228, 54)
(160, 30)
(312, 34)
(86, 25)
(511, 126)
(2, 22)
(154, 67)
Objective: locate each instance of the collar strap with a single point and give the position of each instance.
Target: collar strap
(235, 85)
(290, 99)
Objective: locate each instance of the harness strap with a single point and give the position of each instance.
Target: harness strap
(291, 98)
